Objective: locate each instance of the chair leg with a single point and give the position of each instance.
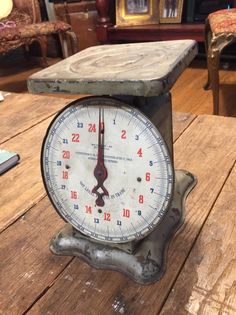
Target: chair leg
(216, 46)
(26, 52)
(64, 43)
(74, 41)
(213, 61)
(207, 41)
(207, 85)
(42, 40)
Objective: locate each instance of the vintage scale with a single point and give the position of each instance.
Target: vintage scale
(107, 159)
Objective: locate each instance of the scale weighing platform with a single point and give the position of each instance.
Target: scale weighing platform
(107, 159)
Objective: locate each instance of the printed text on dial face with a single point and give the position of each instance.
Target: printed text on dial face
(139, 171)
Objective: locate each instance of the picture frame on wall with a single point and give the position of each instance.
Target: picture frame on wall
(171, 11)
(136, 12)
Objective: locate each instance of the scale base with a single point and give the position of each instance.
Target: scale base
(145, 261)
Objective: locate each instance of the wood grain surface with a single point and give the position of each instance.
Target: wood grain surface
(22, 111)
(207, 284)
(22, 186)
(200, 276)
(27, 266)
(198, 150)
(181, 121)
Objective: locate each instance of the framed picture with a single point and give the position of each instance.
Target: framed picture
(171, 11)
(136, 12)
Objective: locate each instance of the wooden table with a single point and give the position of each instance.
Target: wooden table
(201, 265)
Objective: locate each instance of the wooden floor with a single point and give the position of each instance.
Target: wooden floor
(188, 94)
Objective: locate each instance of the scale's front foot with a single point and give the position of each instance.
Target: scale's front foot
(144, 262)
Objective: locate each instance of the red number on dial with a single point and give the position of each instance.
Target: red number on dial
(126, 213)
(148, 177)
(75, 137)
(73, 194)
(140, 199)
(123, 134)
(140, 152)
(65, 154)
(107, 216)
(65, 175)
(88, 209)
(91, 128)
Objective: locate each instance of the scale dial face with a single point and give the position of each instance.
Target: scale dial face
(107, 170)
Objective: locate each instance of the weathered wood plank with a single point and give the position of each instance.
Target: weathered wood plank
(26, 265)
(205, 149)
(21, 111)
(22, 187)
(207, 283)
(180, 122)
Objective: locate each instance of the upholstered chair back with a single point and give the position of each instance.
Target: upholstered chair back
(31, 7)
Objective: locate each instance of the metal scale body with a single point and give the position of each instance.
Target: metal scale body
(139, 75)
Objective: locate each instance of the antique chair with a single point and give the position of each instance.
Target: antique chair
(220, 31)
(24, 26)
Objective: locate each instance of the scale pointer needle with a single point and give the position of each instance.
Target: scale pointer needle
(100, 171)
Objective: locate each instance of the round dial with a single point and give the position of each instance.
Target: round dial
(107, 170)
